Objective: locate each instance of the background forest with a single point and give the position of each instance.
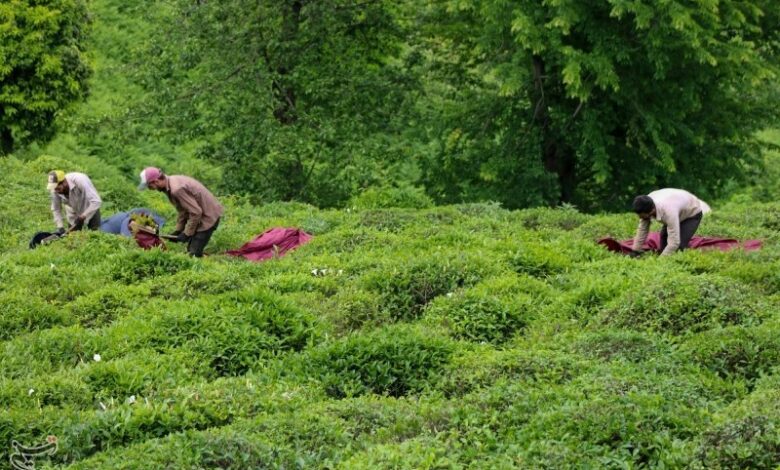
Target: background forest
(523, 103)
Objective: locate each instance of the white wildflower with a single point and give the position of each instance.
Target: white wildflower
(96, 358)
(131, 399)
(30, 392)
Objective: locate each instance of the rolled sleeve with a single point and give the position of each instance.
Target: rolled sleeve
(56, 210)
(673, 234)
(641, 234)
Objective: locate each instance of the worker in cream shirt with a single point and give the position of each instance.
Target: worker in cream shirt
(679, 211)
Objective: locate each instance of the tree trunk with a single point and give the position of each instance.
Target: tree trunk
(557, 157)
(285, 111)
(6, 142)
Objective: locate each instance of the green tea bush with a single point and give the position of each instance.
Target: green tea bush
(142, 374)
(537, 259)
(624, 345)
(49, 390)
(491, 209)
(740, 352)
(682, 303)
(764, 275)
(374, 419)
(424, 452)
(105, 305)
(302, 282)
(407, 197)
(407, 285)
(393, 361)
(483, 367)
(624, 416)
(241, 330)
(139, 265)
(585, 294)
(21, 313)
(275, 441)
(348, 240)
(476, 315)
(47, 350)
(293, 328)
(562, 217)
(745, 435)
(351, 309)
(196, 282)
(387, 220)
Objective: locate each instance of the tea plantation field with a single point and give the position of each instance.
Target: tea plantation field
(449, 337)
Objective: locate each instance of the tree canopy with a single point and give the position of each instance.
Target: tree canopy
(42, 66)
(606, 97)
(525, 103)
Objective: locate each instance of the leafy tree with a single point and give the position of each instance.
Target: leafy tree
(295, 99)
(610, 97)
(42, 66)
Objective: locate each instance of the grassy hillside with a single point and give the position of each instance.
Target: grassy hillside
(435, 338)
(449, 337)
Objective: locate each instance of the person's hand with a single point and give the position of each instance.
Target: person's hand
(635, 253)
(60, 231)
(180, 237)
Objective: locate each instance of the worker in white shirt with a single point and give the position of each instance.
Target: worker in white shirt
(81, 200)
(679, 211)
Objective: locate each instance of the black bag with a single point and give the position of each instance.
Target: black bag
(42, 238)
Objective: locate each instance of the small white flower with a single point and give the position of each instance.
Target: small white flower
(96, 358)
(449, 294)
(341, 271)
(131, 399)
(314, 272)
(30, 392)
(51, 265)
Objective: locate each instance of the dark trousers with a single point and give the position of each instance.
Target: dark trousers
(93, 224)
(687, 229)
(199, 241)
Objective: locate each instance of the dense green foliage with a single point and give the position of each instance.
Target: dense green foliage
(607, 99)
(523, 103)
(449, 337)
(42, 67)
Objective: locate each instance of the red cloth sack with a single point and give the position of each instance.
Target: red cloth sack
(271, 243)
(653, 243)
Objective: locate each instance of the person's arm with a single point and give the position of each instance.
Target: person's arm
(92, 197)
(672, 222)
(181, 220)
(193, 213)
(641, 234)
(56, 210)
(71, 215)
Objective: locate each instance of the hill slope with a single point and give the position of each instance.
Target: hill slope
(440, 338)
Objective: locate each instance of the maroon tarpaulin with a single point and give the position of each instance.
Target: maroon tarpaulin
(653, 243)
(272, 242)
